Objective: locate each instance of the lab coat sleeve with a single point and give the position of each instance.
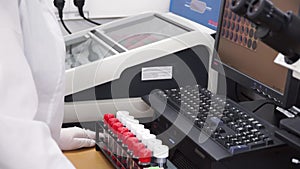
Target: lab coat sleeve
(24, 142)
(28, 144)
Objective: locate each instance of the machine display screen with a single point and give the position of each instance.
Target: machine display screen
(241, 50)
(204, 12)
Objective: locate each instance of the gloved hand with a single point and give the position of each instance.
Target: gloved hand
(74, 138)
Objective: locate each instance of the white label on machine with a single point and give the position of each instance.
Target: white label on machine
(157, 73)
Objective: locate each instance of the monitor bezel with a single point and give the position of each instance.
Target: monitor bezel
(285, 99)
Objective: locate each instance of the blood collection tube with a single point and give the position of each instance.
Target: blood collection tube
(127, 121)
(120, 132)
(144, 156)
(136, 127)
(141, 132)
(122, 113)
(153, 143)
(120, 149)
(147, 137)
(111, 140)
(136, 148)
(116, 148)
(131, 125)
(160, 154)
(115, 127)
(124, 138)
(125, 157)
(122, 116)
(130, 142)
(126, 118)
(106, 117)
(111, 121)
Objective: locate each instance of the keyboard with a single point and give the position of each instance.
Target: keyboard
(225, 122)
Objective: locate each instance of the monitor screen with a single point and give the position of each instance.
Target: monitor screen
(246, 59)
(204, 12)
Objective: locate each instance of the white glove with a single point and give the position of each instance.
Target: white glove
(74, 138)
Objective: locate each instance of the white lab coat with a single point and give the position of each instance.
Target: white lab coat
(31, 86)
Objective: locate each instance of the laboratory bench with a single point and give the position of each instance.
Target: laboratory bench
(88, 158)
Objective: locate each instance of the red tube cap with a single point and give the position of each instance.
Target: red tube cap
(137, 147)
(116, 125)
(126, 135)
(121, 130)
(145, 155)
(111, 121)
(107, 116)
(131, 141)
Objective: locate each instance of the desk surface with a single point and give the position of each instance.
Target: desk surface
(88, 158)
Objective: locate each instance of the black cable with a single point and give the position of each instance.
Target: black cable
(80, 4)
(265, 103)
(64, 25)
(90, 20)
(60, 4)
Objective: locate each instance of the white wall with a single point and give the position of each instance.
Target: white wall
(115, 8)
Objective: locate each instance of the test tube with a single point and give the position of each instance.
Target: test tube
(128, 119)
(136, 127)
(120, 149)
(125, 157)
(136, 148)
(144, 156)
(160, 154)
(130, 142)
(111, 141)
(131, 124)
(142, 132)
(147, 137)
(106, 118)
(153, 143)
(122, 113)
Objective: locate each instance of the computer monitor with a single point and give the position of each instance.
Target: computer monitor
(204, 12)
(248, 61)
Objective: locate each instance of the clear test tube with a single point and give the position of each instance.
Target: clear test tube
(144, 157)
(136, 148)
(160, 154)
(136, 127)
(135, 157)
(106, 118)
(124, 138)
(110, 139)
(120, 149)
(130, 142)
(153, 143)
(121, 113)
(131, 124)
(128, 119)
(142, 132)
(147, 137)
(125, 156)
(116, 148)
